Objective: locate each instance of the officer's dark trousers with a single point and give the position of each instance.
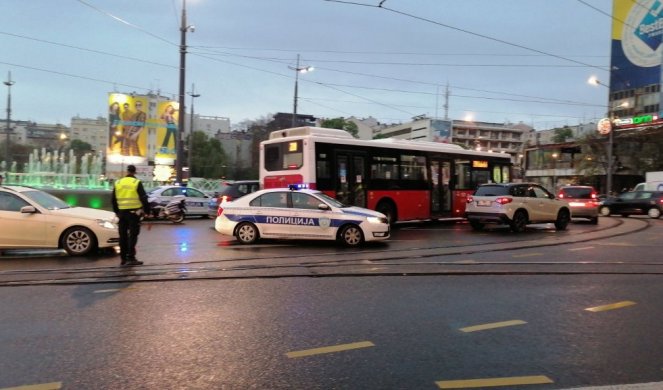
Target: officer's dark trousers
(129, 230)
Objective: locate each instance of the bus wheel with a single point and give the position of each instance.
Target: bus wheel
(389, 210)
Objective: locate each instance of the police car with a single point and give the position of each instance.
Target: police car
(291, 213)
(196, 201)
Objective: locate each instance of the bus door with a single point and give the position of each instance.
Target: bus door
(441, 191)
(351, 178)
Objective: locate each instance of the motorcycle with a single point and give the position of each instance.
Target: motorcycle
(173, 211)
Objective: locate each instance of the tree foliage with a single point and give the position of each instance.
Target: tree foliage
(341, 124)
(562, 134)
(208, 159)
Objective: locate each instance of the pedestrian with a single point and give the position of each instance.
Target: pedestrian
(129, 203)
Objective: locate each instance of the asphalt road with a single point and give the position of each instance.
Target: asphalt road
(438, 306)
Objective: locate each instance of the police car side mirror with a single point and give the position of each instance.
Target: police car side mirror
(323, 206)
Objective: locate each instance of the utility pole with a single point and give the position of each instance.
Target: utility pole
(193, 96)
(180, 123)
(8, 129)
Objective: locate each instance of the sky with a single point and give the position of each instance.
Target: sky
(501, 60)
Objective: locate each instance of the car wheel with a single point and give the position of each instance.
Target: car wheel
(78, 241)
(519, 222)
(476, 225)
(351, 235)
(388, 210)
(176, 218)
(247, 233)
(654, 212)
(604, 211)
(563, 218)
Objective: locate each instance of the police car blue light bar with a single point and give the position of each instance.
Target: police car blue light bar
(301, 186)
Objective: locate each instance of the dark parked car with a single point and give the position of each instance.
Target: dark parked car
(637, 202)
(232, 191)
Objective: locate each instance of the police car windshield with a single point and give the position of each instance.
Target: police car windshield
(331, 200)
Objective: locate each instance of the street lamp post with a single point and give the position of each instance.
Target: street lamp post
(554, 175)
(297, 70)
(611, 136)
(180, 123)
(9, 84)
(193, 96)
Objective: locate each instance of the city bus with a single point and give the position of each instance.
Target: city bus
(403, 179)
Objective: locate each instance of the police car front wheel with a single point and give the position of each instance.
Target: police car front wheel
(351, 235)
(247, 233)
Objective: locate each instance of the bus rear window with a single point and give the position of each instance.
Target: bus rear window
(284, 156)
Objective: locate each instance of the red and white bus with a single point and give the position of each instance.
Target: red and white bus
(406, 180)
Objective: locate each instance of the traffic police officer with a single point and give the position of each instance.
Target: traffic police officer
(129, 202)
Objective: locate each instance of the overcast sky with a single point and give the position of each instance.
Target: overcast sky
(503, 60)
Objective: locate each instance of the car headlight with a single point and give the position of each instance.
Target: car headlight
(376, 220)
(106, 224)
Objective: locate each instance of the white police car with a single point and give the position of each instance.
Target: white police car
(196, 201)
(298, 214)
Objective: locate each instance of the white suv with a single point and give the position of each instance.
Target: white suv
(516, 205)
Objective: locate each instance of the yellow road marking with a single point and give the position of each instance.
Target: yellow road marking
(528, 255)
(612, 306)
(493, 382)
(581, 249)
(43, 386)
(493, 325)
(333, 348)
(469, 261)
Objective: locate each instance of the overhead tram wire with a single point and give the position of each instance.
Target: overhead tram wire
(554, 101)
(390, 53)
(279, 61)
(421, 18)
(117, 18)
(76, 76)
(276, 60)
(87, 50)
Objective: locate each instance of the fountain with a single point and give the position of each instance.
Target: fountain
(55, 173)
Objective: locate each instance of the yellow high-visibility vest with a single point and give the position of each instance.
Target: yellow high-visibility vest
(126, 193)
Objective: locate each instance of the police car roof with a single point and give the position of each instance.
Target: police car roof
(304, 190)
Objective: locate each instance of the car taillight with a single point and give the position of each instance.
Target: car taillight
(503, 200)
(594, 195)
(219, 211)
(226, 198)
(469, 199)
(561, 195)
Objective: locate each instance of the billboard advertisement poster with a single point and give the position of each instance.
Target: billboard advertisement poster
(167, 117)
(637, 29)
(441, 130)
(127, 135)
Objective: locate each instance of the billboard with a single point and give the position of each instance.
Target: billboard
(127, 136)
(637, 29)
(168, 114)
(441, 130)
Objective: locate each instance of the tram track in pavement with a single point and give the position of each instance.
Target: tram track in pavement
(428, 260)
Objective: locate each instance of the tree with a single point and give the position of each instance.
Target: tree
(562, 134)
(80, 147)
(208, 159)
(341, 124)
